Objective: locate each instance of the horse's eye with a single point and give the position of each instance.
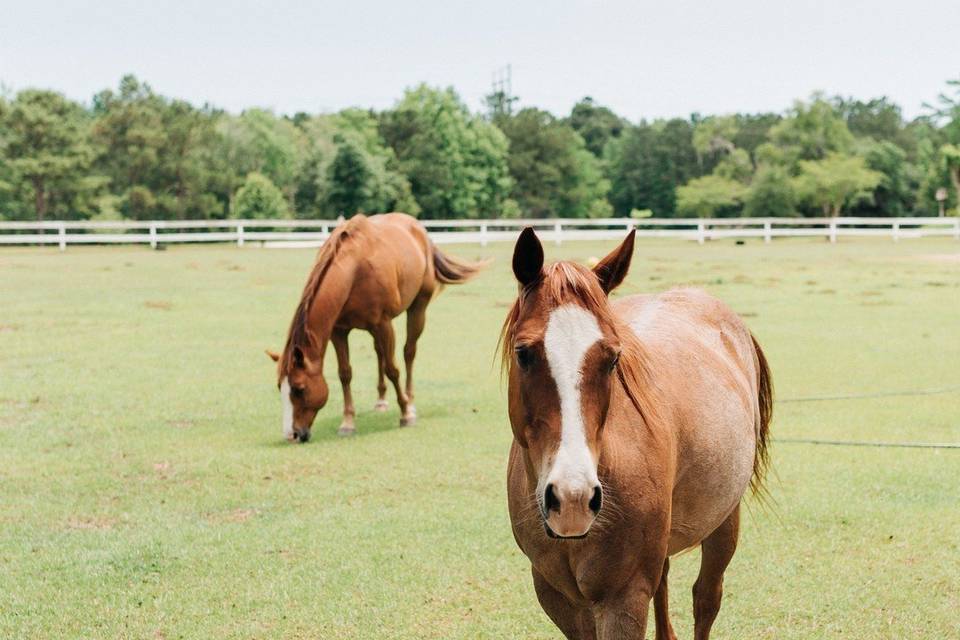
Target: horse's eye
(613, 363)
(296, 392)
(524, 357)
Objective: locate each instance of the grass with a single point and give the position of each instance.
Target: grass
(146, 491)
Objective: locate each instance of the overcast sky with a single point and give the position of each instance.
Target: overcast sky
(643, 59)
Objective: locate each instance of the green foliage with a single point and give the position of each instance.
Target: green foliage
(597, 125)
(647, 163)
(836, 181)
(456, 162)
(710, 196)
(157, 154)
(259, 198)
(811, 131)
(771, 193)
(48, 156)
(554, 174)
(137, 154)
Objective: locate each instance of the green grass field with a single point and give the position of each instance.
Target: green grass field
(146, 490)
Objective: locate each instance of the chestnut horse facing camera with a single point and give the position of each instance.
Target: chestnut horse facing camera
(637, 427)
(369, 271)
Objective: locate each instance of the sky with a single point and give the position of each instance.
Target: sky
(643, 59)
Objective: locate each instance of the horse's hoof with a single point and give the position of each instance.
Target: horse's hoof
(410, 418)
(380, 406)
(345, 431)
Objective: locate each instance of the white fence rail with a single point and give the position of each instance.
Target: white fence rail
(314, 232)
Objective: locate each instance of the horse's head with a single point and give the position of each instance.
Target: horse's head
(303, 391)
(562, 350)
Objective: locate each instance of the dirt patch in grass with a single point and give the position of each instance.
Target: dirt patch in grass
(9, 327)
(95, 523)
(158, 304)
(234, 516)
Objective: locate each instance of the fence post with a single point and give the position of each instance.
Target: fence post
(701, 231)
(153, 236)
(896, 231)
(239, 235)
(767, 231)
(557, 230)
(483, 234)
(956, 229)
(833, 230)
(62, 232)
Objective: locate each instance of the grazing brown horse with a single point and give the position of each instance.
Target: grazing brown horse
(368, 272)
(638, 426)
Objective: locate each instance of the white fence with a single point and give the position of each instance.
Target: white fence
(314, 232)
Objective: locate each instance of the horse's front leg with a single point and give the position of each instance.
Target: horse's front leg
(624, 617)
(381, 404)
(342, 347)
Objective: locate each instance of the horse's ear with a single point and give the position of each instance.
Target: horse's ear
(528, 257)
(613, 269)
(273, 355)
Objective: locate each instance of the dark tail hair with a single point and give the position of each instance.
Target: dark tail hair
(450, 270)
(765, 397)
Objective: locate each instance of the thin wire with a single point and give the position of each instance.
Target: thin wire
(863, 443)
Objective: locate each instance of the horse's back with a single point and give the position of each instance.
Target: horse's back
(702, 358)
(392, 256)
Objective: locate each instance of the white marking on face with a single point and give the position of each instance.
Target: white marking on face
(287, 408)
(571, 331)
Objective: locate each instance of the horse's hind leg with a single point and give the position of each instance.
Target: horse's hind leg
(716, 551)
(385, 343)
(661, 608)
(576, 624)
(416, 319)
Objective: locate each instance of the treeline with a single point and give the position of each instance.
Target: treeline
(135, 154)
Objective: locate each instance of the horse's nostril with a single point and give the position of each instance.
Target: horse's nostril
(597, 500)
(304, 436)
(550, 500)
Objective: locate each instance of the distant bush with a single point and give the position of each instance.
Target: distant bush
(259, 198)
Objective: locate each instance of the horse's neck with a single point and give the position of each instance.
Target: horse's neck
(329, 301)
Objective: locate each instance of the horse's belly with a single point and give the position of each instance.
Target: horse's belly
(714, 474)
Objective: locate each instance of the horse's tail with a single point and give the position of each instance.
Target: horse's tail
(450, 270)
(765, 401)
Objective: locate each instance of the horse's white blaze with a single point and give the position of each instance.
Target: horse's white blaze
(571, 331)
(287, 408)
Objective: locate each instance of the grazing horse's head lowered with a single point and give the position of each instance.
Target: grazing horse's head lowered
(562, 348)
(303, 392)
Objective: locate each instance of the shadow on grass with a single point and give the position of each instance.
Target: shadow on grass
(325, 427)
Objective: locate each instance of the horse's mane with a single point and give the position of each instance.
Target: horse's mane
(564, 282)
(300, 334)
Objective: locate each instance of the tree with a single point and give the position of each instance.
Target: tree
(836, 181)
(352, 187)
(47, 150)
(811, 131)
(160, 154)
(553, 172)
(597, 125)
(713, 139)
(259, 141)
(456, 162)
(896, 193)
(259, 198)
(647, 163)
(771, 193)
(710, 196)
(950, 159)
